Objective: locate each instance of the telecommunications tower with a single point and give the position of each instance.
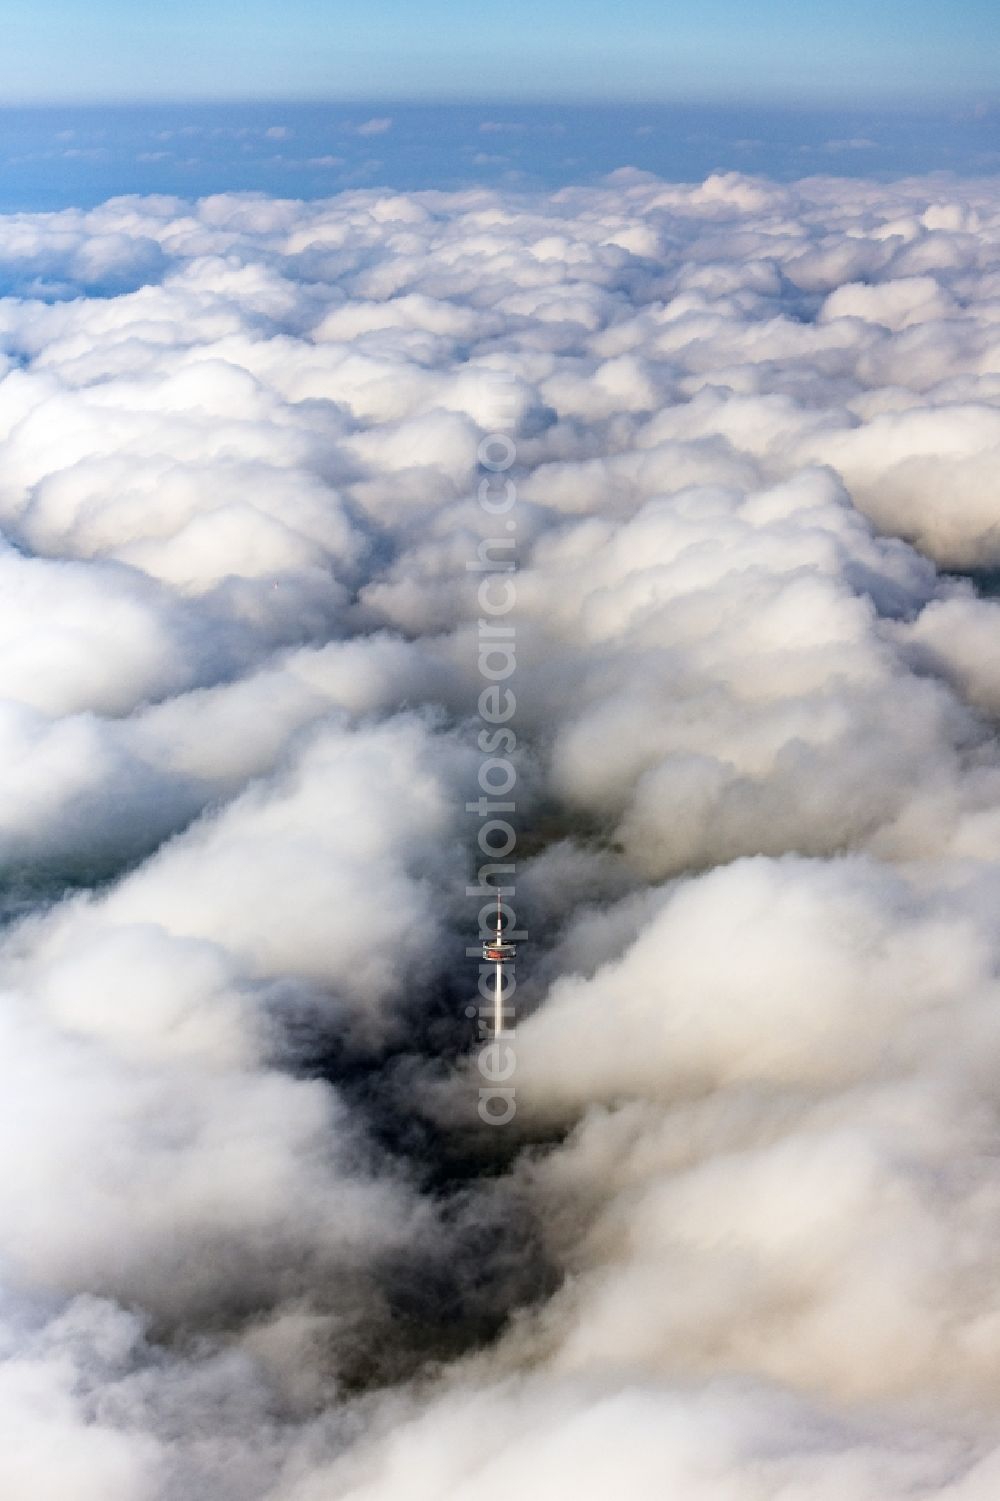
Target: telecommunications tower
(498, 952)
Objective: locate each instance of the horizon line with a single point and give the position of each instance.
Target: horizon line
(969, 105)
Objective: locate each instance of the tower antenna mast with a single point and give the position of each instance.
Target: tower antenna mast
(498, 952)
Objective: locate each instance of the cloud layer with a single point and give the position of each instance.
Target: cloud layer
(742, 1239)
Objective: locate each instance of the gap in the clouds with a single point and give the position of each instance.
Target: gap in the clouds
(32, 890)
(481, 1259)
(414, 1093)
(985, 581)
(489, 1262)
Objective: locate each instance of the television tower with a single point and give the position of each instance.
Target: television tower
(498, 952)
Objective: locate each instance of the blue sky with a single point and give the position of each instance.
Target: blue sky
(318, 96)
(73, 154)
(855, 51)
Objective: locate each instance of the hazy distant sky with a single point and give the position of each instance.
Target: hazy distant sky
(848, 51)
(82, 154)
